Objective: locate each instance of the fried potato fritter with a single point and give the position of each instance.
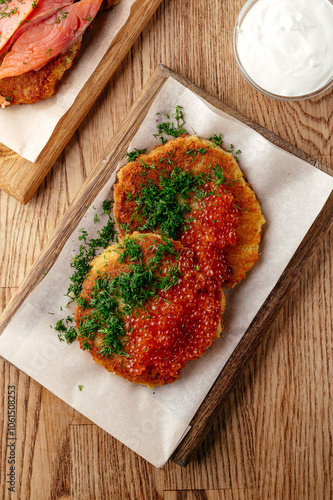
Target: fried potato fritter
(221, 171)
(145, 310)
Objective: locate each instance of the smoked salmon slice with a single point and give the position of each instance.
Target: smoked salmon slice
(43, 10)
(45, 40)
(12, 14)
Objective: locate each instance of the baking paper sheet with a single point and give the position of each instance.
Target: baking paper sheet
(152, 422)
(42, 117)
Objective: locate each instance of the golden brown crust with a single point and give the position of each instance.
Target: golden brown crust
(244, 253)
(145, 372)
(33, 86)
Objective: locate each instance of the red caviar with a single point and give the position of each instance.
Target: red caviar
(180, 323)
(176, 326)
(212, 228)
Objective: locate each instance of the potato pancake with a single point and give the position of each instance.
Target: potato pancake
(193, 191)
(146, 310)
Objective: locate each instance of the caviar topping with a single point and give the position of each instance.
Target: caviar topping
(107, 299)
(209, 228)
(194, 207)
(144, 316)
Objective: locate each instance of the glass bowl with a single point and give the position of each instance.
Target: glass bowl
(240, 18)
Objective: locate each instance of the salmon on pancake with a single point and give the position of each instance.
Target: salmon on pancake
(49, 38)
(43, 46)
(12, 14)
(146, 310)
(192, 190)
(41, 11)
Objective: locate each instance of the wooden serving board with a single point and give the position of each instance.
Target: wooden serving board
(246, 348)
(21, 178)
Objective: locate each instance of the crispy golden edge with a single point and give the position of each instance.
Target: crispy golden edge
(107, 261)
(240, 257)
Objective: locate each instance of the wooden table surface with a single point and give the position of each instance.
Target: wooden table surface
(273, 438)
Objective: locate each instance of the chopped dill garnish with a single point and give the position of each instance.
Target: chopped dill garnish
(87, 251)
(81, 267)
(164, 206)
(132, 156)
(218, 174)
(146, 166)
(217, 139)
(239, 208)
(63, 16)
(172, 129)
(107, 206)
(191, 152)
(64, 331)
(86, 346)
(131, 289)
(131, 249)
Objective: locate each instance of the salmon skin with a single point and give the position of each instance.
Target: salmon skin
(12, 14)
(45, 40)
(43, 10)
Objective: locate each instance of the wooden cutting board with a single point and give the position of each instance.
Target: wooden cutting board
(19, 177)
(246, 348)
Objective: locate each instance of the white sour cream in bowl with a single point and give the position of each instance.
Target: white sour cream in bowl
(284, 48)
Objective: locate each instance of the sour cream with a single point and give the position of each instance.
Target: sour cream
(286, 46)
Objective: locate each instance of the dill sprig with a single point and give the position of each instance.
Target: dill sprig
(87, 251)
(218, 174)
(131, 289)
(132, 155)
(81, 267)
(217, 139)
(65, 332)
(170, 128)
(164, 206)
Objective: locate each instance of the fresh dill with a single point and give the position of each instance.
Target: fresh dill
(170, 128)
(63, 15)
(132, 155)
(218, 174)
(65, 332)
(217, 139)
(81, 267)
(131, 289)
(164, 206)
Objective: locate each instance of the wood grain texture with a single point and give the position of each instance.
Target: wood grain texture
(273, 436)
(210, 495)
(19, 177)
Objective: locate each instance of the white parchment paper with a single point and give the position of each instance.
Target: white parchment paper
(27, 128)
(152, 422)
